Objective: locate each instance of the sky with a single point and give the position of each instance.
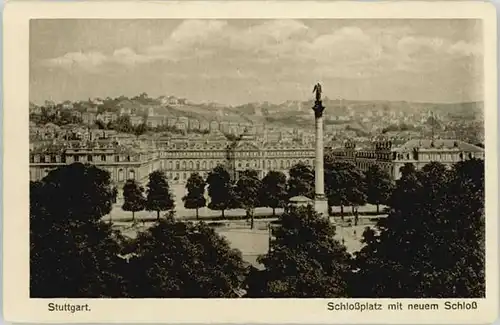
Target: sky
(240, 61)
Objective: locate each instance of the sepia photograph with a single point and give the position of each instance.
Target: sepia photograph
(256, 157)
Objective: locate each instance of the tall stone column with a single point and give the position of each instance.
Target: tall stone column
(318, 166)
(320, 201)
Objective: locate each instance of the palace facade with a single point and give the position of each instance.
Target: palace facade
(130, 161)
(178, 158)
(418, 152)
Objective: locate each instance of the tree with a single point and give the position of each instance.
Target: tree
(301, 181)
(140, 129)
(438, 228)
(247, 192)
(73, 254)
(195, 197)
(344, 184)
(220, 189)
(122, 124)
(159, 197)
(273, 193)
(378, 186)
(355, 188)
(304, 261)
(184, 260)
(133, 196)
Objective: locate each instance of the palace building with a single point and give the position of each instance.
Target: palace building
(416, 151)
(131, 161)
(128, 158)
(177, 157)
(181, 158)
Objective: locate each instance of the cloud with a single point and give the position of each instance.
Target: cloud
(346, 52)
(87, 60)
(465, 49)
(197, 31)
(127, 56)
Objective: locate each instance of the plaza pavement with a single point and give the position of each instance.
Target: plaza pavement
(255, 242)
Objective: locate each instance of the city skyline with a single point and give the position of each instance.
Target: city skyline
(240, 61)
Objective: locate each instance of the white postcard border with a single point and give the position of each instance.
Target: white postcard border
(19, 307)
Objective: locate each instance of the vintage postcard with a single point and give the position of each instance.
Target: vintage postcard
(250, 162)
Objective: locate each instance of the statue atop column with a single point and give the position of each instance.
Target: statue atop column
(318, 106)
(317, 90)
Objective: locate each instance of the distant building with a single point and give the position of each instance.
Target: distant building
(91, 109)
(67, 105)
(170, 100)
(35, 109)
(107, 117)
(97, 101)
(194, 124)
(204, 125)
(183, 120)
(214, 126)
(181, 126)
(171, 121)
(122, 162)
(89, 118)
(125, 111)
(50, 104)
(224, 127)
(155, 121)
(76, 114)
(136, 120)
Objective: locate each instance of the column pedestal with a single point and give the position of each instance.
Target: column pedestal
(321, 205)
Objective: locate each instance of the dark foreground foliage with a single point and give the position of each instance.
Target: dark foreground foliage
(430, 245)
(305, 261)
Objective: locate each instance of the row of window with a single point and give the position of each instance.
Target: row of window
(217, 153)
(374, 155)
(77, 158)
(205, 165)
(177, 165)
(214, 153)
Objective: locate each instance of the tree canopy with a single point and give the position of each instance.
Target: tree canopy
(301, 181)
(344, 184)
(133, 197)
(273, 193)
(73, 254)
(378, 186)
(176, 259)
(432, 242)
(305, 261)
(159, 198)
(195, 197)
(220, 189)
(247, 192)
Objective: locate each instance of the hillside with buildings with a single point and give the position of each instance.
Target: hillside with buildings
(343, 118)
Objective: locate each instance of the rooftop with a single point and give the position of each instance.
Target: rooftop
(427, 144)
